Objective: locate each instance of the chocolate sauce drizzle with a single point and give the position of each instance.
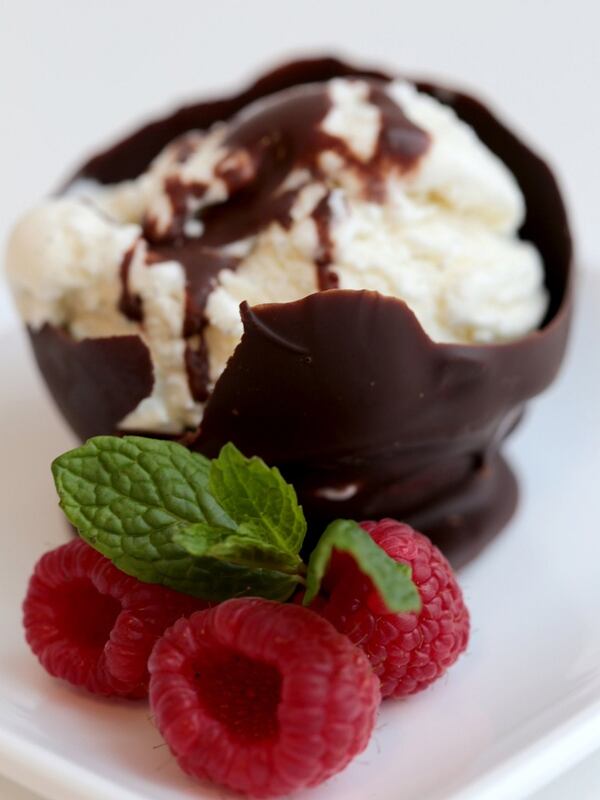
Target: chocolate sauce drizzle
(265, 143)
(283, 133)
(201, 264)
(130, 304)
(326, 278)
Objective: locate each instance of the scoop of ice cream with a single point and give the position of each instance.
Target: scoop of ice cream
(356, 184)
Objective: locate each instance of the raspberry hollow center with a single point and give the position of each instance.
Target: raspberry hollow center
(86, 616)
(242, 694)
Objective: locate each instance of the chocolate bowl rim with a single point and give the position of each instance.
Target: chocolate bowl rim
(446, 346)
(342, 68)
(532, 335)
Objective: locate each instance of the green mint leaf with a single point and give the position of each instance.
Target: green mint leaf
(221, 572)
(253, 493)
(244, 547)
(392, 579)
(131, 498)
(239, 563)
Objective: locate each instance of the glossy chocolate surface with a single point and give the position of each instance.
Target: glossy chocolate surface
(343, 390)
(94, 382)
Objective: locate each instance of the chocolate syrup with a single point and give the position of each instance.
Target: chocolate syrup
(343, 390)
(130, 303)
(196, 365)
(266, 143)
(202, 264)
(326, 278)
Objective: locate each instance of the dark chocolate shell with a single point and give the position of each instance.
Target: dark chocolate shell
(343, 390)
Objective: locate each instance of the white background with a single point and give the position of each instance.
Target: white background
(74, 73)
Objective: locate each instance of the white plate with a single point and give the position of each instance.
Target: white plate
(520, 707)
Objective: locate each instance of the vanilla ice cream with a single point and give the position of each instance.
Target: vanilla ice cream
(350, 184)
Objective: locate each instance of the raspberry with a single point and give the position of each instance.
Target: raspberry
(94, 626)
(261, 697)
(407, 651)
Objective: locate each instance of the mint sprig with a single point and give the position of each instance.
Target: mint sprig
(393, 580)
(131, 498)
(214, 529)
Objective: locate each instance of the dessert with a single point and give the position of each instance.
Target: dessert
(387, 402)
(359, 280)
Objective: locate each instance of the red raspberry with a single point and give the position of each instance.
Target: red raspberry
(94, 626)
(407, 651)
(261, 697)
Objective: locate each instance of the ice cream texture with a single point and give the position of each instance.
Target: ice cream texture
(350, 183)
